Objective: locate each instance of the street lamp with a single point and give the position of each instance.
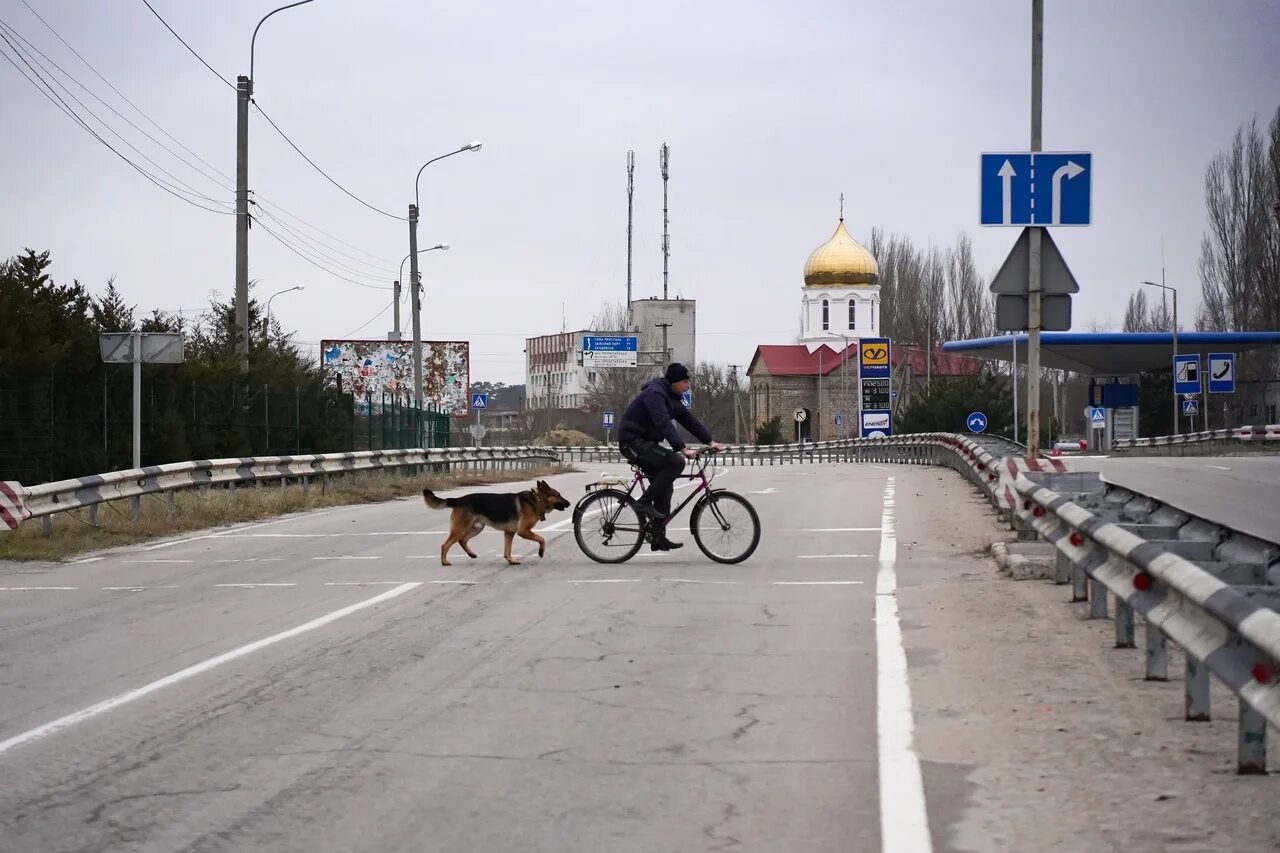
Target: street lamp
(396, 295)
(266, 321)
(415, 301)
(1174, 377)
(244, 94)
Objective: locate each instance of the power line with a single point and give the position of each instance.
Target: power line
(314, 263)
(192, 190)
(187, 46)
(362, 326)
(294, 146)
(380, 273)
(45, 89)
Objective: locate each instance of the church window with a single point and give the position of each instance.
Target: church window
(853, 314)
(826, 315)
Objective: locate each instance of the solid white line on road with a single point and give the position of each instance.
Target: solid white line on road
(904, 819)
(830, 556)
(234, 531)
(687, 580)
(134, 588)
(347, 557)
(817, 583)
(833, 529)
(366, 583)
(142, 562)
(88, 560)
(1220, 467)
(196, 669)
(37, 588)
(460, 583)
(251, 585)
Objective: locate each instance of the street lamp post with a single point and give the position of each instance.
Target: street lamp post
(244, 94)
(396, 289)
(414, 298)
(266, 321)
(1177, 430)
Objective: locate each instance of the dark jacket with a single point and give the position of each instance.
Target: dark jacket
(651, 414)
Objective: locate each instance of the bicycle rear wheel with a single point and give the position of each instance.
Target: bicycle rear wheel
(608, 526)
(725, 526)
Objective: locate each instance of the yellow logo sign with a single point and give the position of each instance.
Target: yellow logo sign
(875, 355)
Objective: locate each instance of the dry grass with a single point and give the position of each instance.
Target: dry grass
(73, 534)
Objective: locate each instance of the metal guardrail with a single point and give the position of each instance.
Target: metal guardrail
(1264, 434)
(44, 501)
(1221, 613)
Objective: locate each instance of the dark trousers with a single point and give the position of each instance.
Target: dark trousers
(661, 466)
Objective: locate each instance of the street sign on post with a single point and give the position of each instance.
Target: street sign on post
(1037, 188)
(1222, 373)
(479, 401)
(1186, 374)
(977, 422)
(608, 420)
(1012, 285)
(687, 399)
(136, 348)
(1097, 417)
(610, 350)
(1190, 407)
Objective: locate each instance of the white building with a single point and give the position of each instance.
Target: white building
(554, 375)
(682, 333)
(840, 298)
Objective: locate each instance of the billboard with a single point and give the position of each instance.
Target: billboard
(368, 369)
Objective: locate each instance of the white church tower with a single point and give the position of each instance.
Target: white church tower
(841, 293)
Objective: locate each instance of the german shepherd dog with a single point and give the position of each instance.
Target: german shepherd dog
(514, 514)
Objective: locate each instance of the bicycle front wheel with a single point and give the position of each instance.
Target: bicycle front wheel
(608, 526)
(725, 526)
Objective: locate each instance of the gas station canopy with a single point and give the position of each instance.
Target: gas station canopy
(1113, 353)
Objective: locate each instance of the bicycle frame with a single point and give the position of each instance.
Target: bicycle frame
(704, 484)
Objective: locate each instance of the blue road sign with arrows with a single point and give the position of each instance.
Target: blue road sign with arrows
(479, 401)
(1222, 373)
(1186, 374)
(1037, 188)
(977, 422)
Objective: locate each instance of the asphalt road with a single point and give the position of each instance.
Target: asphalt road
(1239, 492)
(322, 683)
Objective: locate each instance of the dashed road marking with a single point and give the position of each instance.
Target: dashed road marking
(347, 557)
(830, 556)
(250, 585)
(817, 583)
(88, 560)
(37, 588)
(609, 580)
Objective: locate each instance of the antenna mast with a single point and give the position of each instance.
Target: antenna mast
(664, 160)
(631, 192)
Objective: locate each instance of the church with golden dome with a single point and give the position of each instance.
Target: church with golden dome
(818, 374)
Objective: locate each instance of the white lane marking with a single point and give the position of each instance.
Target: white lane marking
(364, 583)
(830, 556)
(769, 491)
(142, 562)
(688, 580)
(333, 535)
(196, 669)
(1220, 467)
(37, 588)
(250, 585)
(610, 580)
(817, 583)
(460, 583)
(233, 531)
(88, 560)
(135, 588)
(904, 819)
(346, 557)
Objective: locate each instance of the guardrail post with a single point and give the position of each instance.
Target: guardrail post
(1097, 599)
(1197, 691)
(1252, 756)
(1079, 583)
(1157, 654)
(1124, 625)
(93, 514)
(171, 498)
(1062, 569)
(326, 484)
(135, 507)
(46, 525)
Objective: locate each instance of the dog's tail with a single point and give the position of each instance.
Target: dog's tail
(435, 502)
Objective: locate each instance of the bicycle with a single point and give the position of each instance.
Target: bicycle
(617, 530)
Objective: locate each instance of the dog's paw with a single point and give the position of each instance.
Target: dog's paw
(445, 563)
(473, 556)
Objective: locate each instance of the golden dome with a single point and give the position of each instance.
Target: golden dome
(841, 260)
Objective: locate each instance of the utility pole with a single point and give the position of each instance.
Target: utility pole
(631, 192)
(395, 309)
(737, 412)
(664, 160)
(666, 352)
(244, 91)
(1033, 284)
(415, 308)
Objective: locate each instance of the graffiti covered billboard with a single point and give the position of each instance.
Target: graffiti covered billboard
(368, 369)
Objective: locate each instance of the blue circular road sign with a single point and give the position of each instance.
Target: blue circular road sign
(976, 421)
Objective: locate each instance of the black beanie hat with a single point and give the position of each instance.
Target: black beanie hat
(676, 372)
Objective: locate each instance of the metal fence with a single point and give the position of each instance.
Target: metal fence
(60, 426)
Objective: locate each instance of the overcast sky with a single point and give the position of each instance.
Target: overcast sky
(772, 109)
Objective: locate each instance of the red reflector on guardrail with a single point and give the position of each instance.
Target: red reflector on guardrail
(1143, 581)
(1077, 538)
(1038, 511)
(1263, 673)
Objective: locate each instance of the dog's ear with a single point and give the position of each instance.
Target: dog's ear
(543, 487)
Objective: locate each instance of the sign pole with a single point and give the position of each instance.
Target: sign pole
(137, 399)
(1033, 283)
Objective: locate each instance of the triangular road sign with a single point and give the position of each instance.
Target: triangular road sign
(1055, 276)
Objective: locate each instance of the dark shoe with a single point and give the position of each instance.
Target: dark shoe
(648, 511)
(664, 544)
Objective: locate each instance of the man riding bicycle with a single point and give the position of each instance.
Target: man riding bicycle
(650, 418)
